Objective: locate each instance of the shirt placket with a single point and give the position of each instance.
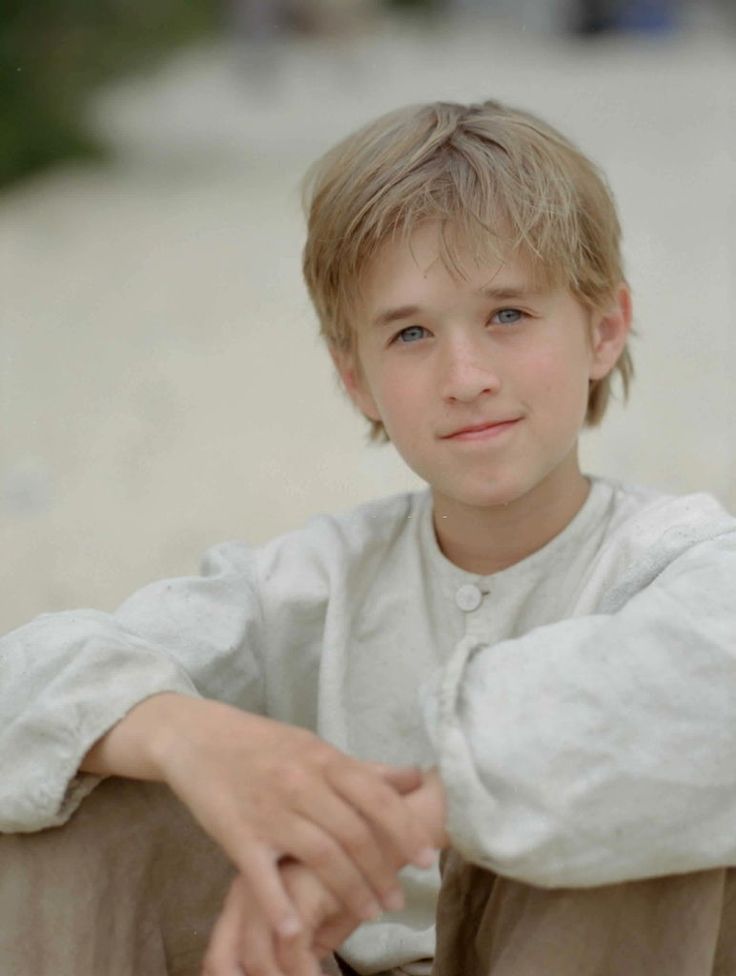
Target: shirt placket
(474, 600)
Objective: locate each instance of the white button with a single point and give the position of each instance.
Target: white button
(468, 597)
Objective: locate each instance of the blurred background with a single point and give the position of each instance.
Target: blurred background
(162, 386)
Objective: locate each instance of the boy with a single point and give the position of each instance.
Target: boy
(574, 638)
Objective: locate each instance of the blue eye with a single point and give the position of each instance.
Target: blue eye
(411, 334)
(508, 316)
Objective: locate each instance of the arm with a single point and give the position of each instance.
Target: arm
(601, 748)
(119, 694)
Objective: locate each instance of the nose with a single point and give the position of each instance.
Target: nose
(467, 371)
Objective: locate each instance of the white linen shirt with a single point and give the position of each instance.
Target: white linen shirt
(580, 705)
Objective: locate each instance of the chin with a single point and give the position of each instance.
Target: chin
(491, 494)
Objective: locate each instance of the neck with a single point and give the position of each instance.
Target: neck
(488, 539)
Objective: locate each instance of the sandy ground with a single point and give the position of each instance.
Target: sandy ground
(161, 384)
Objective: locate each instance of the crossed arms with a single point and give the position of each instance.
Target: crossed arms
(267, 791)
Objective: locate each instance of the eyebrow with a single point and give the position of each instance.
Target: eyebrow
(512, 292)
(395, 314)
(509, 292)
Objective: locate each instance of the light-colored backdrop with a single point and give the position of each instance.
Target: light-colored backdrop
(161, 385)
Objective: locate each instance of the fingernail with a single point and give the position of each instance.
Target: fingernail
(426, 857)
(289, 926)
(394, 900)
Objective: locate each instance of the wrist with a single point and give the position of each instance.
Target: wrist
(140, 744)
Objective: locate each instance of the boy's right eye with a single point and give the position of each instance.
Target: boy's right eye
(411, 334)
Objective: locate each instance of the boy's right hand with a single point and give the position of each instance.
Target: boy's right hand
(264, 790)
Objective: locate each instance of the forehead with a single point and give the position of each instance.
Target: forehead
(421, 268)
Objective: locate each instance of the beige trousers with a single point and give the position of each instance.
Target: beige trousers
(677, 926)
(131, 887)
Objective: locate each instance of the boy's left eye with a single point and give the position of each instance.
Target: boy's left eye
(411, 333)
(507, 316)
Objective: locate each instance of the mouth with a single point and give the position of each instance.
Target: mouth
(485, 431)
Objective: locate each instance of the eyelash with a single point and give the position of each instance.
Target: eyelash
(410, 328)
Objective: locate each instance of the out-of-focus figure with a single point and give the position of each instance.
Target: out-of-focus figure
(585, 17)
(597, 16)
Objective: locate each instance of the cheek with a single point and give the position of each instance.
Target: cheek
(560, 377)
(544, 369)
(397, 405)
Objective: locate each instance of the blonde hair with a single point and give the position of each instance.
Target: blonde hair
(495, 178)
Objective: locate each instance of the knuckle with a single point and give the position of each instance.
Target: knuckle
(312, 747)
(287, 942)
(293, 781)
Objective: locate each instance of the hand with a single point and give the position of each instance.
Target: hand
(242, 936)
(429, 804)
(264, 789)
(242, 941)
(330, 928)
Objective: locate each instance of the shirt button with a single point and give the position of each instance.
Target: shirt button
(468, 597)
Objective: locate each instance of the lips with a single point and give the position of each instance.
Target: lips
(488, 428)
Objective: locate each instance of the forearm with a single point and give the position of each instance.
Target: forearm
(601, 748)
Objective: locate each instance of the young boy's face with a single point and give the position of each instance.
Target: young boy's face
(482, 382)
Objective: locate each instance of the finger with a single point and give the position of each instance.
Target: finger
(221, 958)
(259, 866)
(341, 866)
(404, 779)
(297, 956)
(247, 940)
(369, 848)
(258, 863)
(353, 860)
(257, 951)
(385, 811)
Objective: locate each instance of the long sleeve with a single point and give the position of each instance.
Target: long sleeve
(603, 747)
(67, 678)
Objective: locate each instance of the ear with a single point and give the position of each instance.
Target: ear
(353, 380)
(610, 330)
